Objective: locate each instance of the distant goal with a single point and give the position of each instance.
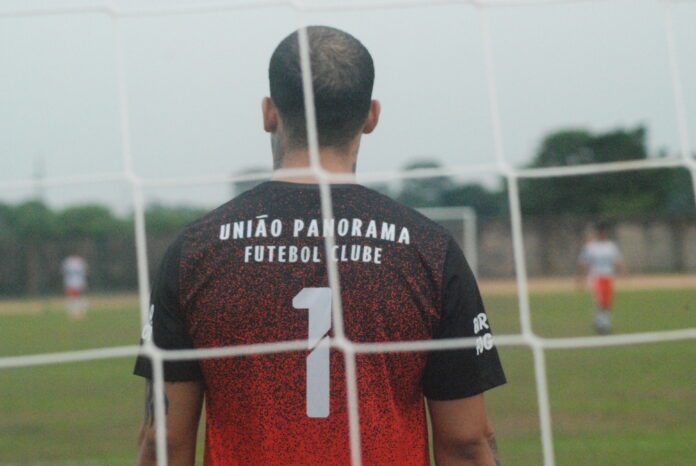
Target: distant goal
(461, 222)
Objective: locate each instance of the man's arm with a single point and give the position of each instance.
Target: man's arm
(462, 433)
(183, 402)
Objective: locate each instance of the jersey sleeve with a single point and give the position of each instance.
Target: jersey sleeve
(167, 325)
(460, 373)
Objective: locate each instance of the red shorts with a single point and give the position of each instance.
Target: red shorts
(71, 292)
(604, 291)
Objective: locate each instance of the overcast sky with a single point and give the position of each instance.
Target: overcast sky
(195, 83)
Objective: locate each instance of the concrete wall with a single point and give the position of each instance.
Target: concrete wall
(551, 249)
(552, 246)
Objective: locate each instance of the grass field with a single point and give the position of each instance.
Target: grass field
(631, 405)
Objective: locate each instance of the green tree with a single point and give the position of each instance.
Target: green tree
(425, 192)
(625, 193)
(33, 223)
(33, 220)
(6, 215)
(162, 219)
(90, 221)
(486, 202)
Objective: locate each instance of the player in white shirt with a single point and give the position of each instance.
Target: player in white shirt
(600, 260)
(75, 283)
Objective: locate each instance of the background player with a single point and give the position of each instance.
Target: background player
(254, 271)
(74, 270)
(600, 259)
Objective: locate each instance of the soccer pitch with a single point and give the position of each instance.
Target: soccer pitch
(629, 405)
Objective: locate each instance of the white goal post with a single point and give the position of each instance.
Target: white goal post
(468, 239)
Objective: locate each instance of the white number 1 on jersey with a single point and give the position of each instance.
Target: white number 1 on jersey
(318, 302)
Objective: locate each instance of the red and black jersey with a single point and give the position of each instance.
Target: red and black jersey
(254, 271)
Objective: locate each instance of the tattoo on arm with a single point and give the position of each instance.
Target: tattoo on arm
(150, 403)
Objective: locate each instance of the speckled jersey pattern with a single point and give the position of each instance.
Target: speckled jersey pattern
(235, 285)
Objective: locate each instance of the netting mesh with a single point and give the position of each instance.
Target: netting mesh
(502, 166)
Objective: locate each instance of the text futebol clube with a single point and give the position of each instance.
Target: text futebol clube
(264, 227)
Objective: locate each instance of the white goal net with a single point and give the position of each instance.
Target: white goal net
(500, 165)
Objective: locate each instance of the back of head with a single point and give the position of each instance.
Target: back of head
(602, 228)
(342, 76)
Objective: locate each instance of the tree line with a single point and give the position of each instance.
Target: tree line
(35, 221)
(34, 239)
(32, 234)
(649, 193)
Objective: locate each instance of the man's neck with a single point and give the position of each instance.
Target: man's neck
(332, 161)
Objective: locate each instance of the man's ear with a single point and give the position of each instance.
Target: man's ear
(270, 115)
(372, 117)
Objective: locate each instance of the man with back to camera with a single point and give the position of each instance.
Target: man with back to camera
(600, 259)
(254, 271)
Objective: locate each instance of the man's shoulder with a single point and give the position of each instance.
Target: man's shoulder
(205, 229)
(370, 202)
(213, 218)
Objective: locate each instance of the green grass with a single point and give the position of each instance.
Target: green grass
(78, 411)
(625, 405)
(630, 405)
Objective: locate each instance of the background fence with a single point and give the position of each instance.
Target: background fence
(552, 244)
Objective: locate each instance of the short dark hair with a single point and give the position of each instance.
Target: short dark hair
(603, 226)
(343, 75)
